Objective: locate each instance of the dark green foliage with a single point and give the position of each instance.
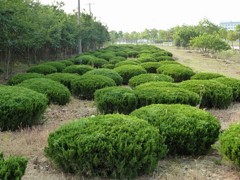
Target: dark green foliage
(57, 64)
(116, 59)
(109, 73)
(205, 76)
(21, 77)
(106, 55)
(144, 78)
(42, 69)
(127, 62)
(20, 107)
(153, 58)
(12, 168)
(66, 62)
(188, 130)
(122, 54)
(83, 59)
(1, 71)
(176, 71)
(85, 86)
(128, 71)
(108, 66)
(230, 143)
(114, 146)
(151, 67)
(79, 69)
(234, 84)
(63, 78)
(133, 54)
(165, 95)
(212, 94)
(115, 100)
(56, 92)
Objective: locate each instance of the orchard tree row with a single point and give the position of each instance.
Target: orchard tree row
(206, 36)
(33, 32)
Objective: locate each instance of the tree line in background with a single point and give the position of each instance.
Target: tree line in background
(206, 36)
(32, 32)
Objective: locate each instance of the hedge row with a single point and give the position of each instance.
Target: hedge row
(24, 76)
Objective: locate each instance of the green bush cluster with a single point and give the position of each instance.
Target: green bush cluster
(108, 73)
(57, 64)
(114, 146)
(67, 62)
(116, 60)
(188, 130)
(165, 95)
(24, 76)
(150, 67)
(156, 84)
(128, 71)
(176, 71)
(85, 86)
(79, 69)
(90, 60)
(127, 62)
(63, 78)
(230, 143)
(12, 168)
(206, 76)
(108, 66)
(42, 69)
(115, 100)
(55, 92)
(144, 78)
(20, 107)
(232, 83)
(212, 94)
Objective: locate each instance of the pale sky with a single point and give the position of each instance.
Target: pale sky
(137, 15)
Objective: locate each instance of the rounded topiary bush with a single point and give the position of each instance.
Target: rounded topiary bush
(42, 69)
(56, 92)
(212, 94)
(108, 66)
(230, 143)
(79, 69)
(232, 83)
(63, 78)
(115, 146)
(85, 86)
(12, 168)
(176, 71)
(83, 59)
(67, 62)
(156, 84)
(21, 77)
(115, 100)
(188, 130)
(151, 67)
(109, 73)
(127, 62)
(144, 78)
(206, 76)
(128, 71)
(20, 107)
(165, 95)
(57, 64)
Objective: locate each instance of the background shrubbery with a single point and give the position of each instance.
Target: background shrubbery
(24, 76)
(78, 69)
(115, 146)
(20, 107)
(188, 130)
(42, 69)
(205, 76)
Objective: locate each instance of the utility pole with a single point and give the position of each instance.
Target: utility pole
(79, 25)
(89, 8)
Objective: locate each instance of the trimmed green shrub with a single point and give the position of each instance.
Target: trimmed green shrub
(165, 95)
(230, 143)
(133, 54)
(117, 59)
(79, 69)
(42, 69)
(151, 67)
(24, 76)
(106, 55)
(206, 76)
(128, 71)
(115, 146)
(63, 78)
(12, 168)
(109, 73)
(144, 78)
(146, 57)
(188, 130)
(98, 62)
(20, 107)
(232, 83)
(83, 59)
(122, 54)
(57, 64)
(115, 100)
(127, 62)
(161, 63)
(156, 84)
(212, 94)
(176, 71)
(56, 92)
(85, 86)
(66, 62)
(108, 66)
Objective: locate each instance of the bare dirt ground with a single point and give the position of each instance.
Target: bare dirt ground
(30, 142)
